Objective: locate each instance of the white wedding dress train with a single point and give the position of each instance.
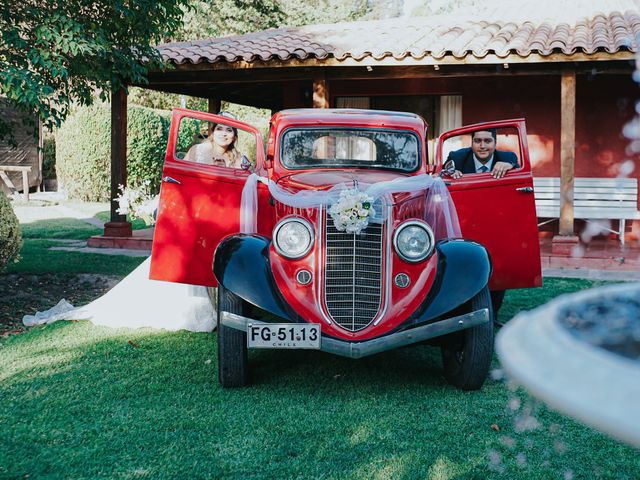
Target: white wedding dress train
(138, 302)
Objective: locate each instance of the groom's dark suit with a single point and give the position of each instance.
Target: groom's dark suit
(463, 159)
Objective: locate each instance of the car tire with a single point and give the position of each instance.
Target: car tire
(233, 362)
(467, 357)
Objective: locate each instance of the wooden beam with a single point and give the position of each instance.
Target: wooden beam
(220, 81)
(320, 93)
(567, 149)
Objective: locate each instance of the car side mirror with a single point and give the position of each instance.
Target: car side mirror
(245, 164)
(448, 168)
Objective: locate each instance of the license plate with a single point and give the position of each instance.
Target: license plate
(284, 335)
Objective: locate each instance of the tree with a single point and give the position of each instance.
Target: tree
(53, 54)
(235, 17)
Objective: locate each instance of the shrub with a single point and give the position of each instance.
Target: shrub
(83, 150)
(49, 157)
(10, 238)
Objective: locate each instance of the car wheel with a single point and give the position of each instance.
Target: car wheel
(233, 363)
(467, 357)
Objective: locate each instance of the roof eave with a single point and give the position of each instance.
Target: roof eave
(388, 61)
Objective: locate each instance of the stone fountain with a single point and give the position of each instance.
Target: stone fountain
(580, 354)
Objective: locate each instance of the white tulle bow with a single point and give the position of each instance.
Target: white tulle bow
(440, 212)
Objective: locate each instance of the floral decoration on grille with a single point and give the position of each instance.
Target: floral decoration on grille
(351, 213)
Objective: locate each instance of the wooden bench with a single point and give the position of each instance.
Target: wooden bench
(25, 178)
(593, 199)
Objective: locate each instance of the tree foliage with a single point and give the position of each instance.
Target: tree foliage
(205, 19)
(55, 53)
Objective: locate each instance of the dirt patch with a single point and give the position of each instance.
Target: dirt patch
(22, 294)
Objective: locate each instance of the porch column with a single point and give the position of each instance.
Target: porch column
(118, 226)
(566, 240)
(214, 105)
(320, 93)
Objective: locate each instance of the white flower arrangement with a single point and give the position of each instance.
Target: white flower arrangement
(138, 202)
(352, 211)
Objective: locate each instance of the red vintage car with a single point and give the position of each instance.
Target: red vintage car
(299, 281)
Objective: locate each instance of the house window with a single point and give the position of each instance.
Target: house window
(442, 112)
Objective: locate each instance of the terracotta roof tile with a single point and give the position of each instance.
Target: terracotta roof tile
(543, 27)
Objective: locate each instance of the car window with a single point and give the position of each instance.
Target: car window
(350, 148)
(464, 149)
(216, 144)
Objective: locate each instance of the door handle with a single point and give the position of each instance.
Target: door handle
(525, 189)
(169, 179)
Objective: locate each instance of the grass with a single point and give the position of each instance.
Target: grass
(70, 228)
(37, 258)
(81, 401)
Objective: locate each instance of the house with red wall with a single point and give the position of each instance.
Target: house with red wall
(566, 67)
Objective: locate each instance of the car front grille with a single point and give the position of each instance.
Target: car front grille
(353, 275)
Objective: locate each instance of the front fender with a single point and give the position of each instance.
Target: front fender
(241, 265)
(464, 268)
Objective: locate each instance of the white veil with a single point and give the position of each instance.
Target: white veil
(440, 211)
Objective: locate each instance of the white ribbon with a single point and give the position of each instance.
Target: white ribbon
(440, 212)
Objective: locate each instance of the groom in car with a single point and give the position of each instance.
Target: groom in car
(482, 156)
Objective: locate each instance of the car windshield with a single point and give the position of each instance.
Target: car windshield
(350, 148)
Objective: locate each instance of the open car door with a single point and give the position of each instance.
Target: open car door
(200, 200)
(498, 213)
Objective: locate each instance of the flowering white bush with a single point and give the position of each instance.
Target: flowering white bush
(352, 211)
(137, 203)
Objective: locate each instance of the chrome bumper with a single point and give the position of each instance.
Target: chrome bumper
(381, 344)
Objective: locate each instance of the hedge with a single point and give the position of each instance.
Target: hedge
(83, 150)
(49, 157)
(10, 237)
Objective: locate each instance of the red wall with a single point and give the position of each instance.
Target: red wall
(604, 103)
(537, 99)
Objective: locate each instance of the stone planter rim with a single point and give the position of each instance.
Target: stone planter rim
(593, 385)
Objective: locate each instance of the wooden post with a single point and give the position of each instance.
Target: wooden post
(118, 226)
(566, 242)
(25, 185)
(320, 93)
(40, 155)
(567, 149)
(214, 105)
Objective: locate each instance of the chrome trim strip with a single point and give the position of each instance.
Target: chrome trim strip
(388, 265)
(322, 258)
(381, 344)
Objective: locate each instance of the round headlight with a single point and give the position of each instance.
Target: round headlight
(413, 241)
(293, 237)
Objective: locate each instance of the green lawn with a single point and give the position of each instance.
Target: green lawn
(81, 401)
(70, 228)
(37, 258)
